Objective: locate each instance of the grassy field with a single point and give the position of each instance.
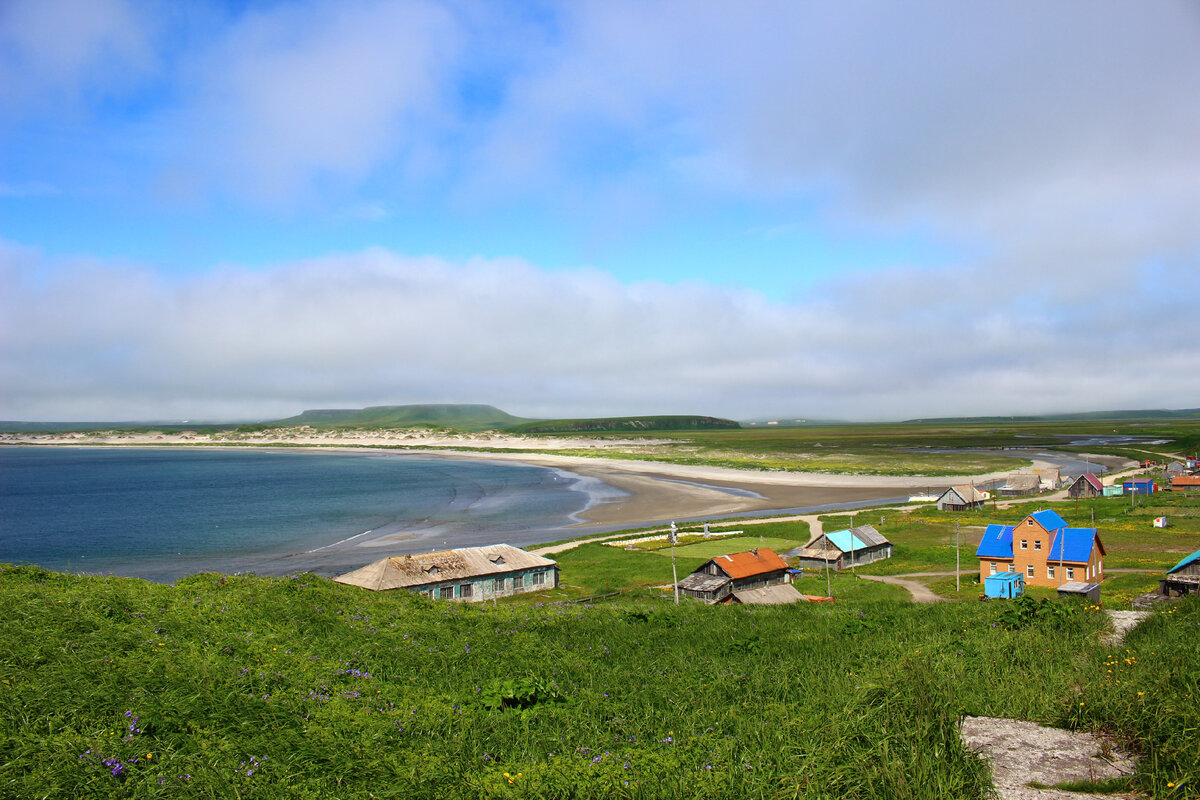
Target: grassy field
(302, 688)
(891, 449)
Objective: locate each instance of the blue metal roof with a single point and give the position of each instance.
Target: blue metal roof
(997, 542)
(846, 541)
(1048, 519)
(1072, 544)
(1187, 560)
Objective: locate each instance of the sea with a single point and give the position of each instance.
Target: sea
(161, 514)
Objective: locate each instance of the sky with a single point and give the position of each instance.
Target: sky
(863, 209)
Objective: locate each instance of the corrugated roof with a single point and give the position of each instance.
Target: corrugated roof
(1073, 544)
(859, 538)
(777, 595)
(1091, 478)
(752, 562)
(1077, 587)
(703, 582)
(997, 542)
(1185, 480)
(969, 494)
(417, 569)
(1186, 561)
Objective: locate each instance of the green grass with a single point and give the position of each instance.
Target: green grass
(302, 688)
(731, 544)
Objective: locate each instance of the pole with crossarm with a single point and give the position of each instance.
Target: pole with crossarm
(674, 537)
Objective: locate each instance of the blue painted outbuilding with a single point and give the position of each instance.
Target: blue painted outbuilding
(1140, 486)
(1004, 584)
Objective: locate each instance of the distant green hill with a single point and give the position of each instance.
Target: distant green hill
(463, 417)
(660, 423)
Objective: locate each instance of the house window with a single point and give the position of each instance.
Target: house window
(464, 590)
(993, 567)
(518, 581)
(446, 592)
(1070, 573)
(1037, 544)
(1029, 521)
(1029, 571)
(539, 578)
(1049, 570)
(498, 585)
(1024, 544)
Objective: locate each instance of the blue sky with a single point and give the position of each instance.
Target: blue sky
(867, 210)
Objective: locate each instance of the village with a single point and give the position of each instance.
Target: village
(1040, 549)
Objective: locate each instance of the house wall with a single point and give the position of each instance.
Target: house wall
(1033, 555)
(985, 567)
(478, 588)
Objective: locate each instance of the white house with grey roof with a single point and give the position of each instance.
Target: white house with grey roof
(465, 574)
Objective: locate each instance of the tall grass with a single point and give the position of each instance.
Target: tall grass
(299, 687)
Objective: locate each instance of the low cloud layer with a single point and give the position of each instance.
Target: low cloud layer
(101, 341)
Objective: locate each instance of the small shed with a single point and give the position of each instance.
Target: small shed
(1160, 522)
(1004, 584)
(1140, 486)
(961, 498)
(1019, 484)
(1183, 578)
(1086, 485)
(1116, 490)
(1090, 591)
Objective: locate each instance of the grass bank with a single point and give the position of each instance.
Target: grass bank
(299, 687)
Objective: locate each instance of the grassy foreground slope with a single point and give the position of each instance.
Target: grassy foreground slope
(299, 687)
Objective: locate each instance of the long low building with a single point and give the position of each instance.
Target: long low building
(466, 574)
(844, 549)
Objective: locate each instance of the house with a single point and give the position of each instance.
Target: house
(1086, 485)
(1176, 468)
(1183, 578)
(1043, 549)
(1140, 486)
(717, 579)
(961, 498)
(466, 574)
(1185, 483)
(844, 549)
(1049, 479)
(1019, 484)
(1008, 585)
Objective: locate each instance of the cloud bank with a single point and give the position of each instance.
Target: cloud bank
(88, 340)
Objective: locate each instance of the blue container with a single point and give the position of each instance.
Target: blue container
(1004, 584)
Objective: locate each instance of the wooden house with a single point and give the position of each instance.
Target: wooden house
(1183, 578)
(1176, 468)
(465, 574)
(961, 498)
(1086, 485)
(844, 549)
(1020, 483)
(717, 579)
(1044, 550)
(1185, 483)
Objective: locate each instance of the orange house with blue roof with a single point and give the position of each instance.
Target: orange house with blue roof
(1042, 549)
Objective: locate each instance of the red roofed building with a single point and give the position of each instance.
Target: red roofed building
(1185, 483)
(1086, 485)
(719, 578)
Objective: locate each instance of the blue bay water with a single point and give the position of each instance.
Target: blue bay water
(164, 513)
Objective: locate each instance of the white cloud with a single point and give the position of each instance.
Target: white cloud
(89, 340)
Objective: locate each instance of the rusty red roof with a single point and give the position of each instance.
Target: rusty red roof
(754, 562)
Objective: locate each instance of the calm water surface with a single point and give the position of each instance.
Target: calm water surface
(161, 514)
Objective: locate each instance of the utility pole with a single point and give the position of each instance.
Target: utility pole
(957, 564)
(828, 585)
(673, 536)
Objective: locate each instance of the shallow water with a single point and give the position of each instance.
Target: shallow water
(164, 513)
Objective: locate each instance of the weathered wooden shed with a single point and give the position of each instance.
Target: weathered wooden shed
(466, 574)
(961, 498)
(1183, 578)
(1086, 485)
(1020, 483)
(844, 549)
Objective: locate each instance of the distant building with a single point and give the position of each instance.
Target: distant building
(1183, 578)
(1140, 486)
(1020, 484)
(1185, 483)
(718, 579)
(1042, 549)
(844, 549)
(962, 498)
(466, 574)
(1176, 468)
(1086, 485)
